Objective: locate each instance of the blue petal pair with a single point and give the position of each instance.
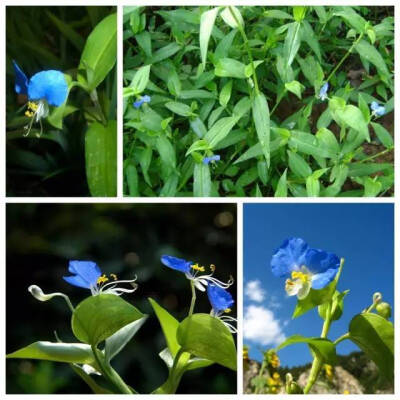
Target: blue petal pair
(323, 92)
(45, 85)
(142, 100)
(377, 109)
(207, 160)
(304, 267)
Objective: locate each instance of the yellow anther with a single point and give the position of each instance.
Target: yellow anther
(300, 275)
(114, 276)
(276, 376)
(227, 310)
(213, 267)
(346, 392)
(102, 279)
(32, 106)
(196, 267)
(29, 114)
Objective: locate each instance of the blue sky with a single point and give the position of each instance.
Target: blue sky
(361, 233)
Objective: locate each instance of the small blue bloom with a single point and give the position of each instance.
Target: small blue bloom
(323, 93)
(50, 86)
(207, 160)
(87, 275)
(143, 99)
(192, 270)
(220, 299)
(305, 267)
(377, 109)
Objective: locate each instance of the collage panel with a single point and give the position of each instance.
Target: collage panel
(258, 101)
(121, 299)
(61, 101)
(318, 298)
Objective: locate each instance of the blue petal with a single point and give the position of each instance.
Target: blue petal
(319, 281)
(318, 261)
(49, 85)
(21, 81)
(85, 273)
(374, 106)
(220, 299)
(323, 91)
(178, 264)
(290, 256)
(207, 160)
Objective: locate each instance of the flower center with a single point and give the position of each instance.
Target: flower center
(32, 109)
(196, 267)
(300, 275)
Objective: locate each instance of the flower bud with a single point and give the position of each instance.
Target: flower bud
(377, 297)
(291, 386)
(38, 294)
(384, 310)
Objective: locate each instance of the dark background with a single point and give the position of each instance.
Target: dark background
(53, 165)
(125, 239)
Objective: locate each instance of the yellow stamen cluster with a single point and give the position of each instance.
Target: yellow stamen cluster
(273, 360)
(227, 310)
(32, 108)
(245, 355)
(300, 275)
(102, 279)
(274, 382)
(328, 371)
(197, 267)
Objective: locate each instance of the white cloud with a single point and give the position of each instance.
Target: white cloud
(254, 291)
(260, 326)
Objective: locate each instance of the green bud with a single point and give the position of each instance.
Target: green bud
(377, 297)
(384, 310)
(291, 386)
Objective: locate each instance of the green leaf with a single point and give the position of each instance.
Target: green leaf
(144, 41)
(298, 165)
(229, 19)
(364, 169)
(220, 130)
(353, 117)
(281, 188)
(299, 12)
(206, 25)
(262, 123)
(323, 347)
(116, 342)
(132, 179)
(207, 337)
(230, 68)
(314, 299)
(100, 53)
(96, 389)
(179, 108)
(101, 159)
(63, 352)
(351, 17)
(198, 145)
(374, 335)
(308, 144)
(336, 308)
(292, 43)
(169, 326)
(294, 87)
(372, 187)
(99, 317)
(372, 55)
(140, 80)
(165, 52)
(225, 94)
(383, 135)
(202, 180)
(312, 186)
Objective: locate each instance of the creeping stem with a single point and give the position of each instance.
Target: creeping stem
(109, 373)
(246, 44)
(318, 361)
(345, 56)
(192, 303)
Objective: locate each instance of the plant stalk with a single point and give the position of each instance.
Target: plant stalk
(192, 303)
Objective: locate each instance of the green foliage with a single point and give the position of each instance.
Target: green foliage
(218, 71)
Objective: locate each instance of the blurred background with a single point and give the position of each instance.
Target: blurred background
(43, 38)
(127, 240)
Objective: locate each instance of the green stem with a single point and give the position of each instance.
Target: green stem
(345, 56)
(68, 301)
(261, 372)
(246, 44)
(95, 100)
(375, 155)
(109, 373)
(192, 303)
(341, 338)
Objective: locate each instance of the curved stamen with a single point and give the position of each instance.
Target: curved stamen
(114, 283)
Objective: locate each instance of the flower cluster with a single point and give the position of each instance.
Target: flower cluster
(220, 299)
(304, 267)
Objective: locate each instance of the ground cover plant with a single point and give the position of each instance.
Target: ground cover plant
(258, 101)
(61, 101)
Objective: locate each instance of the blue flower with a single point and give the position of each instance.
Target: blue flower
(87, 275)
(305, 267)
(323, 93)
(50, 86)
(221, 302)
(377, 109)
(143, 99)
(207, 160)
(192, 270)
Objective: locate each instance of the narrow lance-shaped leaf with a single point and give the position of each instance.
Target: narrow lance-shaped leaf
(202, 180)
(206, 25)
(262, 123)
